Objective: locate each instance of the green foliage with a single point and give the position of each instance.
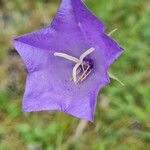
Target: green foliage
(122, 119)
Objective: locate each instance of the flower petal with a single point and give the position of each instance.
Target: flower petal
(49, 87)
(73, 14)
(85, 17)
(46, 90)
(34, 58)
(112, 50)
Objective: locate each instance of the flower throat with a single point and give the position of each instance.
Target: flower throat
(83, 66)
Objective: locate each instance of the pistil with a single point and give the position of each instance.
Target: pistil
(84, 66)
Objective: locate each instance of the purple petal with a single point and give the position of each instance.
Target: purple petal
(112, 50)
(73, 13)
(46, 90)
(32, 56)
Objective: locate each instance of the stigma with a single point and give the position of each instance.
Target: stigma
(83, 65)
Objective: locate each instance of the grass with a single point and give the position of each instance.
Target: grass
(122, 114)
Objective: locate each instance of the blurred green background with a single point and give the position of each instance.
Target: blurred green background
(122, 118)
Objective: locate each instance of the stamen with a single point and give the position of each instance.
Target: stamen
(79, 62)
(84, 75)
(86, 53)
(74, 71)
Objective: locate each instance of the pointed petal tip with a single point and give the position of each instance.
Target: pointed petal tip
(26, 109)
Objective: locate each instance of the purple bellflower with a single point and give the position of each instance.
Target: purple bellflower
(67, 62)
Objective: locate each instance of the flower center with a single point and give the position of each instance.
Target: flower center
(84, 70)
(83, 66)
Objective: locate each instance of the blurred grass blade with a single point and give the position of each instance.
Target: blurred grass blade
(115, 78)
(111, 32)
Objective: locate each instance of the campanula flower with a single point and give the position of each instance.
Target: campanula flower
(67, 61)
